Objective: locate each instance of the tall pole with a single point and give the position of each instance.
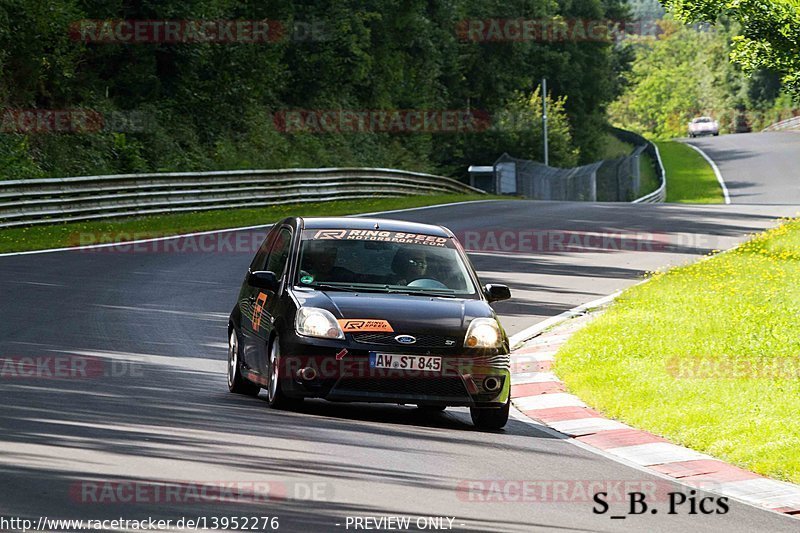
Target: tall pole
(544, 120)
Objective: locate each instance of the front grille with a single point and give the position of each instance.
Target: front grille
(423, 341)
(449, 387)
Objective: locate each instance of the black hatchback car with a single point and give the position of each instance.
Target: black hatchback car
(369, 310)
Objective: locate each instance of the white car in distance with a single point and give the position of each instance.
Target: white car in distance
(703, 126)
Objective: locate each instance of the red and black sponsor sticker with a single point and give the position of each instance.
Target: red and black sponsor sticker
(351, 325)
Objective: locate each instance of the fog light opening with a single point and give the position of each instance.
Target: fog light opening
(307, 374)
(491, 384)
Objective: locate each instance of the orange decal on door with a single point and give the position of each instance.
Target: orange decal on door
(259, 310)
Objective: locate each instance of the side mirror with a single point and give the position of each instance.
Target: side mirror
(495, 292)
(263, 279)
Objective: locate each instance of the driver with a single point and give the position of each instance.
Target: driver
(410, 264)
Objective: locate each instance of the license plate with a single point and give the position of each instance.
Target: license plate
(395, 361)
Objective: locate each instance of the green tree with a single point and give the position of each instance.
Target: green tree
(768, 37)
(517, 130)
(685, 73)
(210, 105)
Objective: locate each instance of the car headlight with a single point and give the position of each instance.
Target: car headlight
(483, 333)
(316, 322)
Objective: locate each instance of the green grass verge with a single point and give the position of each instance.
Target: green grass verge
(69, 234)
(707, 355)
(690, 179)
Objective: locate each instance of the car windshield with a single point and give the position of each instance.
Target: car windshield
(702, 119)
(384, 261)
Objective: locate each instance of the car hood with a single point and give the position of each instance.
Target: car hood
(406, 314)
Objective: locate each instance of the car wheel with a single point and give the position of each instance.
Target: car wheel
(490, 417)
(237, 383)
(275, 396)
(431, 408)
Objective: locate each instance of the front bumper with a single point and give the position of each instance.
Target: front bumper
(700, 133)
(464, 379)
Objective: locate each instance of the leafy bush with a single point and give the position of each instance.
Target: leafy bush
(210, 106)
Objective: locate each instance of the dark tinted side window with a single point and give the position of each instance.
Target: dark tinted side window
(261, 255)
(276, 262)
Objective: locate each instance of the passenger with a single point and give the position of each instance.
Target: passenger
(319, 262)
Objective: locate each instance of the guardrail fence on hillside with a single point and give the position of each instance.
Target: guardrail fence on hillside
(45, 201)
(788, 124)
(619, 180)
(611, 180)
(538, 181)
(660, 194)
(649, 148)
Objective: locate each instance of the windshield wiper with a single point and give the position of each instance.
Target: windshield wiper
(327, 287)
(449, 293)
(384, 289)
(344, 288)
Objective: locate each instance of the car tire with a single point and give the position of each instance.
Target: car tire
(490, 417)
(237, 383)
(275, 395)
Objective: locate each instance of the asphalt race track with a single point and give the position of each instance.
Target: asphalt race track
(157, 322)
(758, 168)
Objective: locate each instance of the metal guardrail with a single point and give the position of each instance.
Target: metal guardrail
(659, 195)
(607, 180)
(53, 200)
(788, 124)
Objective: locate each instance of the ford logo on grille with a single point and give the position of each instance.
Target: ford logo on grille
(405, 339)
